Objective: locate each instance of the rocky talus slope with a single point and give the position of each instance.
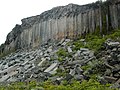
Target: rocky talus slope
(59, 61)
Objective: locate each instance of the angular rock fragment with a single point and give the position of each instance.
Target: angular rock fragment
(52, 68)
(69, 50)
(110, 79)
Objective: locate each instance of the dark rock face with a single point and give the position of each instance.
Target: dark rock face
(68, 21)
(13, 37)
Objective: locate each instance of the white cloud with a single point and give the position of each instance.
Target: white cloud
(12, 11)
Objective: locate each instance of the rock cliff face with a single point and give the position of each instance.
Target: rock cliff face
(60, 22)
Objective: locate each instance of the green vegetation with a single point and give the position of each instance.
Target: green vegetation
(78, 45)
(62, 52)
(94, 68)
(95, 41)
(48, 85)
(60, 72)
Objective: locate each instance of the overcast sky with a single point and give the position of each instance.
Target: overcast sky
(12, 11)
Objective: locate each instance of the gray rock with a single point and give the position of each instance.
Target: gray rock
(114, 49)
(64, 43)
(18, 60)
(48, 58)
(11, 79)
(119, 49)
(25, 62)
(118, 56)
(110, 79)
(108, 72)
(84, 49)
(53, 71)
(8, 70)
(5, 77)
(41, 53)
(117, 75)
(86, 57)
(72, 72)
(43, 60)
(60, 78)
(91, 54)
(21, 69)
(61, 41)
(113, 43)
(46, 55)
(27, 66)
(86, 53)
(52, 68)
(6, 66)
(102, 80)
(77, 53)
(53, 78)
(49, 50)
(67, 40)
(79, 70)
(79, 77)
(69, 50)
(12, 63)
(68, 77)
(82, 40)
(80, 62)
(116, 85)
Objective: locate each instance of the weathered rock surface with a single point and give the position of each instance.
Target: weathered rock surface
(68, 21)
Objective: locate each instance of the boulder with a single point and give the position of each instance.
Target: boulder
(84, 49)
(52, 68)
(41, 63)
(72, 72)
(27, 66)
(82, 40)
(68, 77)
(110, 79)
(6, 77)
(78, 69)
(69, 50)
(79, 77)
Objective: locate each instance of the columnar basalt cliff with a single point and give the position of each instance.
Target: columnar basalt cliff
(60, 22)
